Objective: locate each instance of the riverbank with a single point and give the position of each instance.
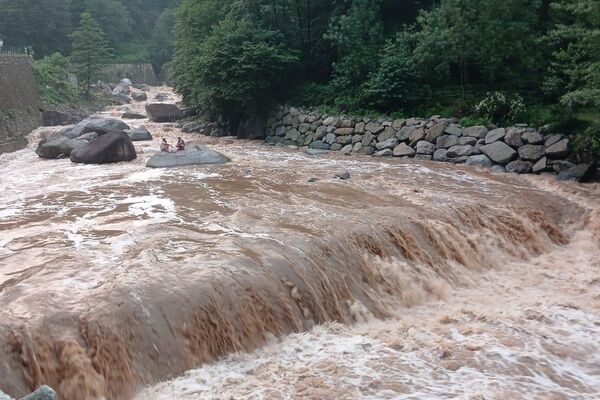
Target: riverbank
(116, 277)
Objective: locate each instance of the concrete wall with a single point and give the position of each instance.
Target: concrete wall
(19, 102)
(138, 73)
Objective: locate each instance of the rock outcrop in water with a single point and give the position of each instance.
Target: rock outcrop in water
(95, 124)
(163, 112)
(109, 148)
(518, 149)
(58, 147)
(193, 155)
(140, 134)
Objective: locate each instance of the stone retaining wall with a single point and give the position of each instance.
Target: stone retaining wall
(19, 102)
(519, 148)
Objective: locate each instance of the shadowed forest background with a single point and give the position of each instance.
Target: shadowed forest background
(532, 61)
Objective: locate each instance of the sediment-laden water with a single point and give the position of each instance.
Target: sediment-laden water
(411, 280)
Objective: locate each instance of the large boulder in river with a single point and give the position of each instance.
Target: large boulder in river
(95, 124)
(163, 112)
(133, 115)
(109, 148)
(140, 134)
(58, 147)
(193, 155)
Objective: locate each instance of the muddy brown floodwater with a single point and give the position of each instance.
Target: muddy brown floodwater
(411, 280)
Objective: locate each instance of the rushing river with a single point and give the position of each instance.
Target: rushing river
(411, 280)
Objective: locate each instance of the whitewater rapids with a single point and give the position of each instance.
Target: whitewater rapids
(411, 280)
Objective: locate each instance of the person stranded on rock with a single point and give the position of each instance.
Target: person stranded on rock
(165, 146)
(180, 144)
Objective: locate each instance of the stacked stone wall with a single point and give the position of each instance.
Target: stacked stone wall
(519, 148)
(19, 102)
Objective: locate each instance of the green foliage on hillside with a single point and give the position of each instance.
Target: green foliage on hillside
(404, 57)
(51, 74)
(129, 25)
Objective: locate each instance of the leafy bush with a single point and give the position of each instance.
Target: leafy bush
(473, 121)
(52, 76)
(500, 108)
(587, 144)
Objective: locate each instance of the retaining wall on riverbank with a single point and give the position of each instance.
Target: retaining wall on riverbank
(19, 102)
(519, 148)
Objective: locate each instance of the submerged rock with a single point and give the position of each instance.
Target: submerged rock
(580, 173)
(43, 393)
(193, 155)
(99, 125)
(59, 147)
(140, 134)
(110, 148)
(133, 115)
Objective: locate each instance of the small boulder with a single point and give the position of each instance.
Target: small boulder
(43, 393)
(559, 149)
(319, 145)
(454, 129)
(121, 99)
(133, 115)
(446, 141)
(383, 153)
(495, 135)
(531, 152)
(513, 138)
(162, 112)
(163, 97)
(140, 134)
(480, 160)
(403, 150)
(193, 155)
(138, 95)
(424, 147)
(460, 151)
(531, 137)
(579, 173)
(109, 148)
(346, 150)
(498, 169)
(387, 144)
(499, 152)
(478, 132)
(58, 147)
(435, 132)
(440, 155)
(406, 132)
(519, 167)
(540, 166)
(344, 175)
(553, 139)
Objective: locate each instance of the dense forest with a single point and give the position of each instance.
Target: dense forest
(533, 61)
(136, 30)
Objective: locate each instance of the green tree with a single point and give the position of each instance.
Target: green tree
(574, 73)
(395, 85)
(90, 49)
(356, 34)
(239, 70)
